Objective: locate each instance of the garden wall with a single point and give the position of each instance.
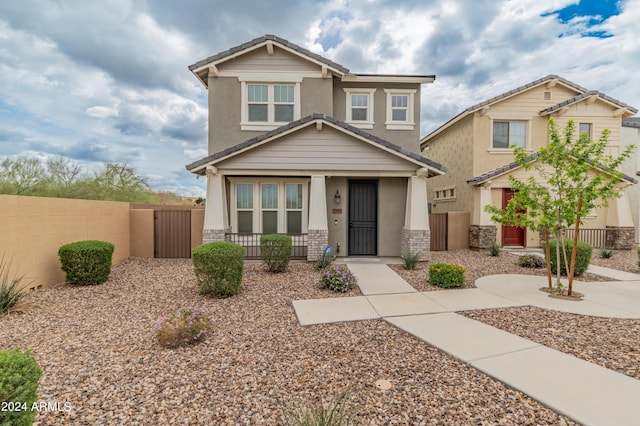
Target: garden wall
(32, 229)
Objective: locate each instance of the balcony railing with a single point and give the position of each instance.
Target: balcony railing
(251, 244)
(597, 237)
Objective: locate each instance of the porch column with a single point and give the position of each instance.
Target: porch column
(620, 228)
(318, 234)
(415, 237)
(216, 220)
(482, 232)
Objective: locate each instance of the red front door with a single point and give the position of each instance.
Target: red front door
(511, 235)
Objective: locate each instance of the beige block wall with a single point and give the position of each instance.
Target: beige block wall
(34, 228)
(458, 230)
(142, 233)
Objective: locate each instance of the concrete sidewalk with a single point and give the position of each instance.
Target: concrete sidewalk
(585, 392)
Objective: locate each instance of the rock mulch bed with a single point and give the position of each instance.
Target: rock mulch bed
(622, 260)
(96, 348)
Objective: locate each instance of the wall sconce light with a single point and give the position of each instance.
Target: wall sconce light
(337, 197)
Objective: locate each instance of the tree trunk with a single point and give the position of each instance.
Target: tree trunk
(548, 256)
(574, 249)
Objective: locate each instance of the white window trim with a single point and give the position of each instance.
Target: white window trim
(361, 124)
(245, 124)
(446, 190)
(409, 123)
(527, 142)
(257, 203)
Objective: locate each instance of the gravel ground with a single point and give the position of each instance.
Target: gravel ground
(98, 354)
(623, 260)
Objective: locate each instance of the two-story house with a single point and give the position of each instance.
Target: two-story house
(476, 147)
(631, 136)
(300, 145)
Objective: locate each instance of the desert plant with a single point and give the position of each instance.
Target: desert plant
(337, 278)
(332, 413)
(446, 275)
(11, 290)
(86, 262)
(218, 267)
(275, 251)
(494, 249)
(186, 327)
(531, 261)
(583, 256)
(19, 380)
(326, 259)
(638, 252)
(410, 260)
(606, 253)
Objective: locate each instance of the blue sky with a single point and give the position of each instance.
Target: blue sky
(108, 81)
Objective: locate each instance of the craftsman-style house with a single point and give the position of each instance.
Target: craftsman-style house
(476, 145)
(300, 145)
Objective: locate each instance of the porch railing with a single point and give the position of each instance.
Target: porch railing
(597, 237)
(251, 244)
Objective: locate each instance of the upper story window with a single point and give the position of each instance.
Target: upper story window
(266, 106)
(508, 133)
(584, 128)
(400, 109)
(360, 107)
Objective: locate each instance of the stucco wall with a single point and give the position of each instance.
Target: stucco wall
(392, 195)
(34, 228)
(452, 148)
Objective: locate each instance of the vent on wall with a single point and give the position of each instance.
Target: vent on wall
(547, 96)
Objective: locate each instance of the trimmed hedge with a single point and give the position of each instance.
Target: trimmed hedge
(275, 251)
(86, 262)
(218, 267)
(19, 380)
(446, 275)
(583, 256)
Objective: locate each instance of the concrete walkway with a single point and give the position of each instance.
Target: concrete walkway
(585, 392)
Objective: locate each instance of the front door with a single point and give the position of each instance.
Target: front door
(363, 217)
(511, 235)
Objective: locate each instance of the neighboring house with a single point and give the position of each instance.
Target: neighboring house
(475, 146)
(631, 167)
(300, 145)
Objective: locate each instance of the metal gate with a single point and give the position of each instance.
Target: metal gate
(172, 233)
(438, 224)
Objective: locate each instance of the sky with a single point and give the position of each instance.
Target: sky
(109, 80)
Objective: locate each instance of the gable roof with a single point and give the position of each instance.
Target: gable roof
(200, 68)
(513, 166)
(583, 94)
(589, 95)
(199, 167)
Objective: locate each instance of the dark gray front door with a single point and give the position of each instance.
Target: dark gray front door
(363, 217)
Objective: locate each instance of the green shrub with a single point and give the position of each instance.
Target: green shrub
(337, 278)
(583, 256)
(410, 260)
(446, 275)
(326, 259)
(186, 327)
(494, 249)
(638, 251)
(531, 261)
(19, 380)
(86, 262)
(275, 251)
(606, 253)
(218, 267)
(11, 291)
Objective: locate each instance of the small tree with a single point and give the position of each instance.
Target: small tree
(561, 195)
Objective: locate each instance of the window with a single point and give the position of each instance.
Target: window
(360, 107)
(400, 109)
(266, 106)
(280, 206)
(507, 133)
(447, 193)
(584, 128)
(244, 207)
